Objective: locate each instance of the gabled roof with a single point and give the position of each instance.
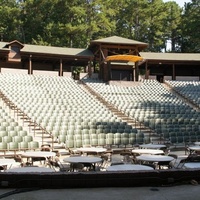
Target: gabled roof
(39, 49)
(15, 42)
(171, 56)
(118, 40)
(56, 50)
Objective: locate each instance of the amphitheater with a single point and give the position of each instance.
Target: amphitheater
(131, 124)
(69, 113)
(66, 114)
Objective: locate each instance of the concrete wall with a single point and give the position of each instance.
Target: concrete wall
(187, 78)
(42, 72)
(98, 179)
(14, 71)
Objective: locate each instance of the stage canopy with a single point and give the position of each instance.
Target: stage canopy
(123, 58)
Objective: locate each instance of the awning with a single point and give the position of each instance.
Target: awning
(124, 58)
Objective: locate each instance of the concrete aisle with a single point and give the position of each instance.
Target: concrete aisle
(181, 192)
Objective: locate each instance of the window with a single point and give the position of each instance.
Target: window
(15, 49)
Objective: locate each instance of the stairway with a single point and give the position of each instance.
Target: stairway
(182, 97)
(154, 137)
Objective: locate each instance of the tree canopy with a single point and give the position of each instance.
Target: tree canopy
(75, 23)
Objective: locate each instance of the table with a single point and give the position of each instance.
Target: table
(197, 143)
(191, 165)
(30, 169)
(82, 160)
(152, 146)
(194, 148)
(91, 150)
(30, 154)
(148, 151)
(154, 158)
(5, 161)
(128, 167)
(38, 154)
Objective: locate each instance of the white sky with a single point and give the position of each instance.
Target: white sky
(179, 2)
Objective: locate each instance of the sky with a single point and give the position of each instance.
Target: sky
(179, 2)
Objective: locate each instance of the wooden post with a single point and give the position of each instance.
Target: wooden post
(146, 71)
(89, 69)
(61, 68)
(136, 72)
(173, 72)
(30, 65)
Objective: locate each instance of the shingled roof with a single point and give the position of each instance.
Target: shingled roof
(56, 50)
(171, 56)
(119, 41)
(3, 45)
(50, 50)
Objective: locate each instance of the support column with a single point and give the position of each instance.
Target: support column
(146, 71)
(105, 66)
(89, 69)
(173, 72)
(105, 72)
(132, 76)
(30, 70)
(61, 68)
(136, 72)
(109, 70)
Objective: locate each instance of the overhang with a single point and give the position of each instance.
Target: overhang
(171, 57)
(59, 51)
(124, 58)
(116, 40)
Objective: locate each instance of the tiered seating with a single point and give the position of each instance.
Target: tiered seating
(62, 108)
(154, 106)
(12, 135)
(189, 89)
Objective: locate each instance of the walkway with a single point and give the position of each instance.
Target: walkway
(184, 191)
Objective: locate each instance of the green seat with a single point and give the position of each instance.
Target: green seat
(3, 146)
(33, 145)
(17, 138)
(23, 146)
(13, 146)
(28, 138)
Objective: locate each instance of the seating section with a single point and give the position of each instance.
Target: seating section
(65, 110)
(62, 108)
(189, 89)
(155, 107)
(12, 135)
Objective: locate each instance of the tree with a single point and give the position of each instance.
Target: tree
(10, 23)
(172, 25)
(155, 31)
(131, 20)
(191, 27)
(99, 18)
(75, 23)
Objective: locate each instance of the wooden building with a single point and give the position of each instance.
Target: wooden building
(115, 45)
(48, 58)
(160, 66)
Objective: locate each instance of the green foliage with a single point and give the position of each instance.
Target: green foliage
(190, 40)
(172, 24)
(10, 24)
(78, 70)
(75, 23)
